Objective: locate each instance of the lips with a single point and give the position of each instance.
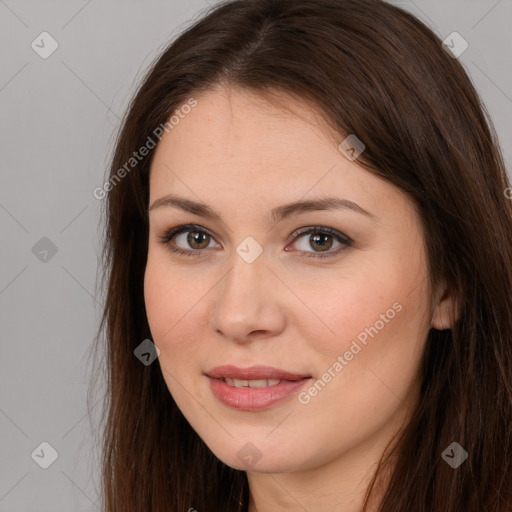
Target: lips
(254, 388)
(254, 373)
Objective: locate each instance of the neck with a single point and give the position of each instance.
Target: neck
(341, 483)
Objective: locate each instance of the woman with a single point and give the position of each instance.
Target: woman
(307, 216)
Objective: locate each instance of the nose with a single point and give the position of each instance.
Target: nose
(247, 302)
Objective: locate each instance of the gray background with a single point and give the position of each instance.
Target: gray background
(58, 119)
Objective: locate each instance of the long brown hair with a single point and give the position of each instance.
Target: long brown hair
(377, 72)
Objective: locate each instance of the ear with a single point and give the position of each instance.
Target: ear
(446, 309)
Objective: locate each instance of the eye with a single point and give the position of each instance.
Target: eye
(322, 239)
(189, 239)
(192, 240)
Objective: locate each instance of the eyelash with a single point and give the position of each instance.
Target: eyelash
(166, 238)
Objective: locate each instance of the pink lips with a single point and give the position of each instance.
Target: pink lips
(251, 399)
(253, 373)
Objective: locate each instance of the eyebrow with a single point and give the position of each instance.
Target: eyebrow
(276, 215)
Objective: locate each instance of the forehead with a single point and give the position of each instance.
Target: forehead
(237, 150)
(234, 134)
(228, 119)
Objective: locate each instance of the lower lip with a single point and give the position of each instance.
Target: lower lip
(253, 399)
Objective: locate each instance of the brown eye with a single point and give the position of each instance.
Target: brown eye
(189, 240)
(313, 242)
(320, 242)
(198, 239)
(192, 240)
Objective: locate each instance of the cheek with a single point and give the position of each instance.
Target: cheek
(372, 319)
(341, 307)
(172, 306)
(374, 353)
(172, 310)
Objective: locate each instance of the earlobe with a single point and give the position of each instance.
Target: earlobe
(446, 311)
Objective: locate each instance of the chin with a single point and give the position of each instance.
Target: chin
(262, 458)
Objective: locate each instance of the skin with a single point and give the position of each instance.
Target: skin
(244, 156)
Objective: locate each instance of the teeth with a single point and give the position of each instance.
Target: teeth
(260, 383)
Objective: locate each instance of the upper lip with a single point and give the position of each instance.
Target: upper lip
(253, 373)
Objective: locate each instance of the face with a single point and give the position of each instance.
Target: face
(335, 293)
